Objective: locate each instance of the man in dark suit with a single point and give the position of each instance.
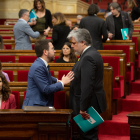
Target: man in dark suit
(41, 85)
(117, 21)
(96, 26)
(86, 89)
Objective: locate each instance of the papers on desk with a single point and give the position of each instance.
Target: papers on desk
(86, 125)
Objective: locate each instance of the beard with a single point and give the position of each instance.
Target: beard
(50, 58)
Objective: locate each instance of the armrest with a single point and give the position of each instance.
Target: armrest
(120, 84)
(129, 64)
(119, 78)
(130, 68)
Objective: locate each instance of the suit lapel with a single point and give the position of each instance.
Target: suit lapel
(123, 19)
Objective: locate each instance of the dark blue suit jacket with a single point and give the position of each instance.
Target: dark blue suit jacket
(41, 86)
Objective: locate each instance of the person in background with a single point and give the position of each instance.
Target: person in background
(113, 1)
(60, 30)
(43, 23)
(1, 43)
(107, 13)
(5, 74)
(135, 12)
(75, 27)
(79, 17)
(96, 26)
(69, 22)
(23, 32)
(7, 100)
(67, 54)
(41, 85)
(117, 21)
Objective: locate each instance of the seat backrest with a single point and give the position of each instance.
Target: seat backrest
(16, 93)
(33, 46)
(134, 39)
(8, 47)
(125, 49)
(52, 73)
(61, 73)
(27, 59)
(22, 75)
(56, 57)
(7, 59)
(10, 74)
(114, 62)
(60, 100)
(24, 94)
(6, 37)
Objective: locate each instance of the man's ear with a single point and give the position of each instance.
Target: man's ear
(45, 52)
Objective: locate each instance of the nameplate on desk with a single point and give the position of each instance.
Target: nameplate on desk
(38, 109)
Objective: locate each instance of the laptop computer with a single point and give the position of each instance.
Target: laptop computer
(38, 108)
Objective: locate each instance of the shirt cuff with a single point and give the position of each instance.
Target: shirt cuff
(62, 83)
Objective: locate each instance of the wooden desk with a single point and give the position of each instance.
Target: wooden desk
(134, 122)
(15, 124)
(107, 83)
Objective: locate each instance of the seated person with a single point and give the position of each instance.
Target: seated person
(7, 100)
(1, 43)
(5, 74)
(75, 27)
(67, 54)
(79, 17)
(69, 22)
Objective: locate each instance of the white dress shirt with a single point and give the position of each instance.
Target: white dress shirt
(47, 69)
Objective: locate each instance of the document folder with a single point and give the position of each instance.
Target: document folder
(86, 125)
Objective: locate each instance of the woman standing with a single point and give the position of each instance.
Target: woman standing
(67, 54)
(7, 100)
(135, 13)
(60, 30)
(43, 23)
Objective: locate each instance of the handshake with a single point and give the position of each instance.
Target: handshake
(68, 78)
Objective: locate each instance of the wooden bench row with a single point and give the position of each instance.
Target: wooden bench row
(107, 82)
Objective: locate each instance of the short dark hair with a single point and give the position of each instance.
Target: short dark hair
(116, 6)
(93, 9)
(1, 43)
(41, 45)
(0, 65)
(22, 11)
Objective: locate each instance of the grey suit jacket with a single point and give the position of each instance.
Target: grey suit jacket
(22, 31)
(126, 20)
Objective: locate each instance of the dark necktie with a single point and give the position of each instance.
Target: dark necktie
(48, 68)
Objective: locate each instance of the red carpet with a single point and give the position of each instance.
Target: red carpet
(113, 137)
(118, 128)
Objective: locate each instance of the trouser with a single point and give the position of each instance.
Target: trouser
(90, 135)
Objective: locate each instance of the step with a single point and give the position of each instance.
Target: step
(113, 137)
(117, 126)
(135, 87)
(131, 103)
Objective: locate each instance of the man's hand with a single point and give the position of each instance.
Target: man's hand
(46, 31)
(84, 114)
(127, 38)
(68, 78)
(110, 35)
